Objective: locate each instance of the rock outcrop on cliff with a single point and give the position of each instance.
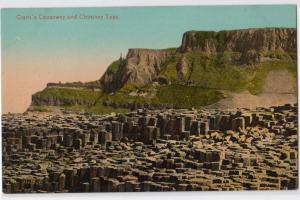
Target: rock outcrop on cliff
(182, 67)
(140, 66)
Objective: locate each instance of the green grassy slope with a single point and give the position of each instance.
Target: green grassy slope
(255, 86)
(182, 96)
(222, 72)
(75, 94)
(68, 93)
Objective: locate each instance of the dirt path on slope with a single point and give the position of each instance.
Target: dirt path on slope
(279, 89)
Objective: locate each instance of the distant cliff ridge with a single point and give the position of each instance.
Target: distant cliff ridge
(206, 63)
(260, 40)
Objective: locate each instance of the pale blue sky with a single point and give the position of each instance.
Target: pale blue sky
(151, 27)
(36, 52)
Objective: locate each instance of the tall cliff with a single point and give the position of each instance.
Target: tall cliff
(197, 73)
(142, 66)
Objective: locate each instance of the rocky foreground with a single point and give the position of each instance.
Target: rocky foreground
(163, 150)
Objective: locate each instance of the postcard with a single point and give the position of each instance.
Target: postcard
(139, 99)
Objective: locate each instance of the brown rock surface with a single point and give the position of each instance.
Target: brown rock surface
(264, 39)
(141, 66)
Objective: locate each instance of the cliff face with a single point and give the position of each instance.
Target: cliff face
(212, 61)
(260, 40)
(144, 64)
(55, 101)
(140, 66)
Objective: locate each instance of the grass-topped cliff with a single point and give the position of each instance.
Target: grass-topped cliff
(202, 71)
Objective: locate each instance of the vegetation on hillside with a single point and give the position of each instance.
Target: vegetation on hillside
(182, 96)
(218, 38)
(114, 66)
(255, 86)
(69, 93)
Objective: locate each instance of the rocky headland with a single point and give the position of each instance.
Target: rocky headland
(214, 65)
